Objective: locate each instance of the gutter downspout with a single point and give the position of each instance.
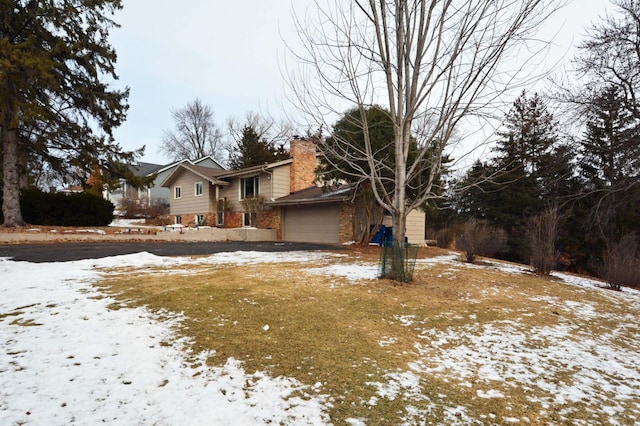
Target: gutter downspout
(264, 170)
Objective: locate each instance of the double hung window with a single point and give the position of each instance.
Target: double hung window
(249, 187)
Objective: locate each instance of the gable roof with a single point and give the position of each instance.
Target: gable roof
(217, 176)
(254, 169)
(207, 173)
(145, 169)
(316, 195)
(195, 162)
(210, 158)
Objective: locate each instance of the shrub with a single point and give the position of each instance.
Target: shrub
(57, 209)
(445, 237)
(622, 263)
(543, 232)
(477, 238)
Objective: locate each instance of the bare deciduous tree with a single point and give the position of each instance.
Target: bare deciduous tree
(611, 56)
(431, 63)
(196, 134)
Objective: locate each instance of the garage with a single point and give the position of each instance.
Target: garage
(311, 224)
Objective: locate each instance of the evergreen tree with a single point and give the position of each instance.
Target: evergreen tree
(530, 134)
(54, 107)
(338, 164)
(531, 171)
(253, 150)
(346, 155)
(608, 64)
(610, 149)
(610, 168)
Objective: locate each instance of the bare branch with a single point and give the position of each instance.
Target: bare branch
(431, 63)
(196, 134)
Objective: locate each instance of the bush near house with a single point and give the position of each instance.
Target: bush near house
(56, 209)
(478, 238)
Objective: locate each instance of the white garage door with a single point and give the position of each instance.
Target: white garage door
(311, 224)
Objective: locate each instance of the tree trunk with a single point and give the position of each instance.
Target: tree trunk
(398, 253)
(11, 180)
(399, 214)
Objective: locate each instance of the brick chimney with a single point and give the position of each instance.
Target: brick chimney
(303, 168)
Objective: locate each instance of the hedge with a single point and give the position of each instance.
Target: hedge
(58, 209)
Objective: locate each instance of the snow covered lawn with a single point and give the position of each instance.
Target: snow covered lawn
(462, 345)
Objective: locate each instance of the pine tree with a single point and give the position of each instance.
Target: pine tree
(346, 156)
(531, 171)
(55, 109)
(253, 150)
(529, 136)
(610, 167)
(340, 163)
(610, 149)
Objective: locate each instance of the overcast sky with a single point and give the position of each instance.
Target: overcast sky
(229, 54)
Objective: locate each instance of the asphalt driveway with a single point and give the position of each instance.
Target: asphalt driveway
(64, 252)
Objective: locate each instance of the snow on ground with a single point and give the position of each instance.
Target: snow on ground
(123, 223)
(598, 373)
(66, 357)
(350, 271)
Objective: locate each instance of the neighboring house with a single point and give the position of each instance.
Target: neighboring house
(151, 195)
(282, 196)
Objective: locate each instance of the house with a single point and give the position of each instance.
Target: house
(281, 196)
(154, 194)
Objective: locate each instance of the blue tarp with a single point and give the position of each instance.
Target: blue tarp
(383, 235)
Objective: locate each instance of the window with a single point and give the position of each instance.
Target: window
(177, 192)
(249, 219)
(199, 188)
(249, 187)
(200, 220)
(220, 209)
(178, 220)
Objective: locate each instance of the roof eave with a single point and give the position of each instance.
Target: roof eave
(307, 201)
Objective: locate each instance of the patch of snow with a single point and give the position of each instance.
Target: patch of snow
(90, 231)
(492, 393)
(448, 258)
(352, 272)
(387, 341)
(124, 223)
(406, 320)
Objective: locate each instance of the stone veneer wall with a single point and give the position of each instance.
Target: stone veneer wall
(346, 217)
(270, 219)
(233, 219)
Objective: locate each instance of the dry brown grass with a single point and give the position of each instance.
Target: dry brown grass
(348, 335)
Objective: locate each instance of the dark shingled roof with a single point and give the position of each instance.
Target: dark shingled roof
(315, 195)
(208, 171)
(144, 169)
